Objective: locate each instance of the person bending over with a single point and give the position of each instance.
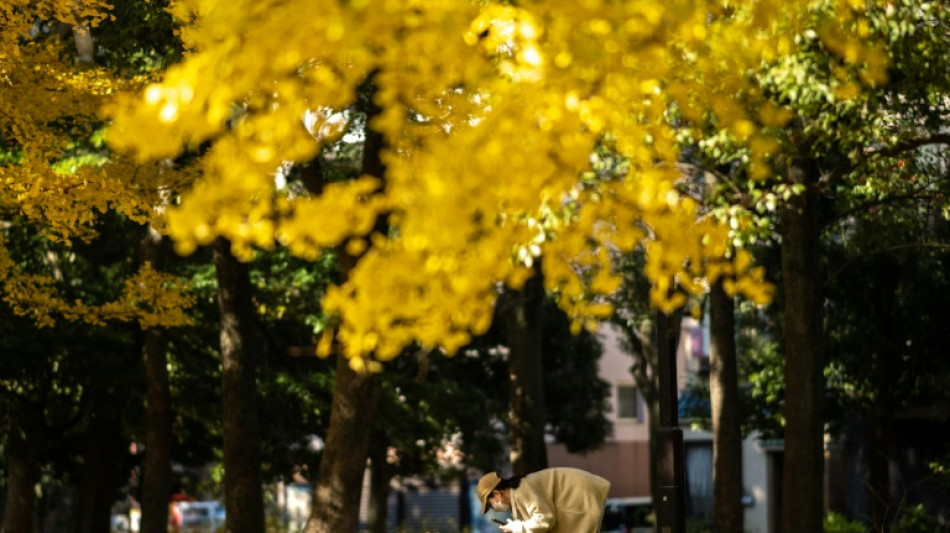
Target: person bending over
(553, 500)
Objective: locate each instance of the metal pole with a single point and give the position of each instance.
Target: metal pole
(669, 498)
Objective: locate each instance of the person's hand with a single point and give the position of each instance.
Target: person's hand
(507, 528)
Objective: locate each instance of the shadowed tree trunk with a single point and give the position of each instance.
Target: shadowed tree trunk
(23, 469)
(879, 455)
(724, 396)
(379, 476)
(336, 496)
(802, 489)
(521, 312)
(885, 362)
(241, 350)
(99, 474)
(157, 475)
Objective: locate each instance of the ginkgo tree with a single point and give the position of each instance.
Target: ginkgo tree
(57, 179)
(849, 123)
(52, 174)
(490, 112)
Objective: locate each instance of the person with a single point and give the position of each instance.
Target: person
(175, 518)
(553, 500)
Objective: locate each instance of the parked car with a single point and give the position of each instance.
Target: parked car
(628, 515)
(202, 517)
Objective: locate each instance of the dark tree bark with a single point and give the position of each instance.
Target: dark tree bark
(99, 474)
(336, 496)
(724, 396)
(879, 479)
(802, 489)
(241, 350)
(885, 362)
(379, 476)
(522, 314)
(157, 475)
(23, 469)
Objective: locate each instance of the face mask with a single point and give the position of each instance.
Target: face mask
(500, 507)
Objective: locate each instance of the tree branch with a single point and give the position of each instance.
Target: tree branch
(883, 201)
(899, 148)
(911, 144)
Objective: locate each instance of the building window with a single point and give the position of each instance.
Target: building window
(627, 402)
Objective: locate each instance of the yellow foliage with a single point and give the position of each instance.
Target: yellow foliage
(39, 93)
(149, 298)
(490, 112)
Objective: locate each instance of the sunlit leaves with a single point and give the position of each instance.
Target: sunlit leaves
(56, 172)
(149, 298)
(491, 113)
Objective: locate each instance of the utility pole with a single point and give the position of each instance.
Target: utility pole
(669, 498)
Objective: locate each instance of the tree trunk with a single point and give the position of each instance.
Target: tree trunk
(724, 396)
(879, 485)
(240, 352)
(521, 312)
(336, 495)
(85, 47)
(885, 361)
(379, 477)
(82, 37)
(23, 470)
(99, 474)
(802, 490)
(157, 476)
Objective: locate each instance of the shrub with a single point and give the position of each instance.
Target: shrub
(698, 525)
(915, 520)
(837, 523)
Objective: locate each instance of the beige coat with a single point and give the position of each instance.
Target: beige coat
(559, 500)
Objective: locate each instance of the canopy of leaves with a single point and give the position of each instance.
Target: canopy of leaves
(490, 112)
(54, 168)
(888, 287)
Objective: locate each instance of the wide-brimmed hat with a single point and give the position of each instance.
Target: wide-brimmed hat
(486, 484)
